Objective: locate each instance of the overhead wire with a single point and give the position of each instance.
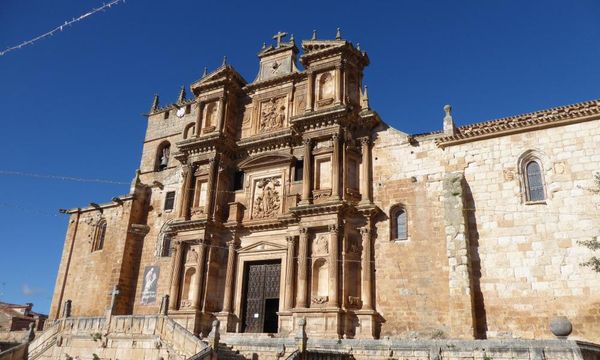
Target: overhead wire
(60, 27)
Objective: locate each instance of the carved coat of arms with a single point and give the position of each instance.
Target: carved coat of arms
(267, 200)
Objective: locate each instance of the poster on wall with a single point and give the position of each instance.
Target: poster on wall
(150, 284)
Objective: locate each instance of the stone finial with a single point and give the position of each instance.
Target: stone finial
(264, 46)
(67, 309)
(292, 41)
(364, 99)
(314, 35)
(449, 128)
(30, 333)
(561, 327)
(358, 46)
(181, 97)
(214, 334)
(205, 72)
(164, 305)
(224, 61)
(155, 103)
(338, 34)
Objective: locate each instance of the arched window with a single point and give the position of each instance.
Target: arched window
(99, 234)
(399, 224)
(162, 156)
(534, 183)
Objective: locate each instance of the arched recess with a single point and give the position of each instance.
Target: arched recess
(189, 130)
(187, 290)
(163, 153)
(326, 88)
(320, 278)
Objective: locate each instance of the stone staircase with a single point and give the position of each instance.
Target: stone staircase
(155, 335)
(225, 352)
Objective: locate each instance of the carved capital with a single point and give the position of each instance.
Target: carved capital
(307, 142)
(303, 231)
(232, 244)
(335, 137)
(334, 228)
(365, 231)
(365, 141)
(291, 240)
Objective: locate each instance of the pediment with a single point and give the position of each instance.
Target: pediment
(262, 246)
(265, 160)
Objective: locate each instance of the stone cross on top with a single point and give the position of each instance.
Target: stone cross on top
(280, 35)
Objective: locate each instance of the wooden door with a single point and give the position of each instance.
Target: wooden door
(262, 291)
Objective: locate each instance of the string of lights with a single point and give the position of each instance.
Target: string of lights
(59, 177)
(60, 27)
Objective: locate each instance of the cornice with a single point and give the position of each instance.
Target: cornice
(276, 81)
(116, 201)
(558, 116)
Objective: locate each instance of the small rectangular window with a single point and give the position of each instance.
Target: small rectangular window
(299, 170)
(166, 114)
(170, 200)
(238, 180)
(188, 109)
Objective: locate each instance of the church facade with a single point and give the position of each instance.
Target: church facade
(264, 203)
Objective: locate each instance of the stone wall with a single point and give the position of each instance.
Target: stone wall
(86, 276)
(524, 256)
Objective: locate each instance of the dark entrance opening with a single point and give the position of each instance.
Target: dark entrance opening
(261, 296)
(271, 308)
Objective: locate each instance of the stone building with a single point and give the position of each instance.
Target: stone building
(288, 200)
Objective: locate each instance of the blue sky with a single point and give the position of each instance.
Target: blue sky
(72, 103)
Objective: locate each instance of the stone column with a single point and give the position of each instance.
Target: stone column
(197, 296)
(333, 265)
(365, 181)
(335, 164)
(289, 275)
(176, 275)
(206, 274)
(307, 176)
(184, 193)
(210, 185)
(367, 269)
(302, 268)
(229, 276)
(222, 113)
(338, 86)
(310, 91)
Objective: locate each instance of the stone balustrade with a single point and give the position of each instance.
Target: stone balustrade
(162, 328)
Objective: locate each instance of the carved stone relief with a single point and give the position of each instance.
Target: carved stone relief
(267, 197)
(321, 245)
(272, 114)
